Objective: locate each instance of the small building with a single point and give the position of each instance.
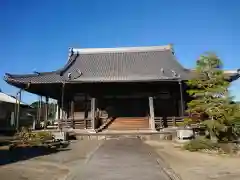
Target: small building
(8, 108)
(135, 87)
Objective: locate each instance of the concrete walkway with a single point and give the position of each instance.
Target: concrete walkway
(121, 159)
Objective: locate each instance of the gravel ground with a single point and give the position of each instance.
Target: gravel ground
(196, 165)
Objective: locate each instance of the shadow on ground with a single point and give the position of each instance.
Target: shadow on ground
(8, 156)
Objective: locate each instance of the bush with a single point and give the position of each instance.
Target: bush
(200, 144)
(26, 136)
(43, 135)
(236, 127)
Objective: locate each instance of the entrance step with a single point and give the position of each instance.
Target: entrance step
(129, 123)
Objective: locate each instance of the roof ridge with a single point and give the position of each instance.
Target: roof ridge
(121, 49)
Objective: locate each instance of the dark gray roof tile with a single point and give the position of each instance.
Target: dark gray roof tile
(127, 66)
(35, 79)
(113, 65)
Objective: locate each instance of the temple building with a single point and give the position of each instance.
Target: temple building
(115, 88)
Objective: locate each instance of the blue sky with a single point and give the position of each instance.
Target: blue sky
(35, 35)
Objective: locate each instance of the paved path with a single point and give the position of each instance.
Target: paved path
(54, 166)
(121, 159)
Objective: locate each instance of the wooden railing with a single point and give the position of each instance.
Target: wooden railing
(158, 123)
(76, 123)
(82, 123)
(65, 123)
(161, 122)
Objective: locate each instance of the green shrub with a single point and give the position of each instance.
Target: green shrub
(43, 135)
(236, 126)
(26, 136)
(200, 144)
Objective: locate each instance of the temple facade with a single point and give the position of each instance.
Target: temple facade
(115, 88)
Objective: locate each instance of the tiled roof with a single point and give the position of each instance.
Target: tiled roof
(113, 65)
(51, 77)
(130, 64)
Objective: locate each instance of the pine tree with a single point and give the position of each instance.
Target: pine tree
(212, 104)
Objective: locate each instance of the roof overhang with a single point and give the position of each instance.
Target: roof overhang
(50, 83)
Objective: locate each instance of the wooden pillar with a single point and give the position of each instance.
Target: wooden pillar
(62, 103)
(85, 110)
(40, 109)
(151, 110)
(58, 110)
(93, 110)
(181, 98)
(38, 112)
(15, 111)
(18, 97)
(72, 113)
(34, 123)
(58, 114)
(68, 110)
(46, 112)
(174, 121)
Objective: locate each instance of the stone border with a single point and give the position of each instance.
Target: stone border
(168, 170)
(170, 173)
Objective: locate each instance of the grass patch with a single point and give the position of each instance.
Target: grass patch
(200, 144)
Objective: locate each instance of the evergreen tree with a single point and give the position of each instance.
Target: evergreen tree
(51, 108)
(212, 104)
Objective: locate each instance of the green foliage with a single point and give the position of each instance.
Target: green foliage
(211, 102)
(26, 136)
(200, 144)
(51, 108)
(236, 126)
(35, 104)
